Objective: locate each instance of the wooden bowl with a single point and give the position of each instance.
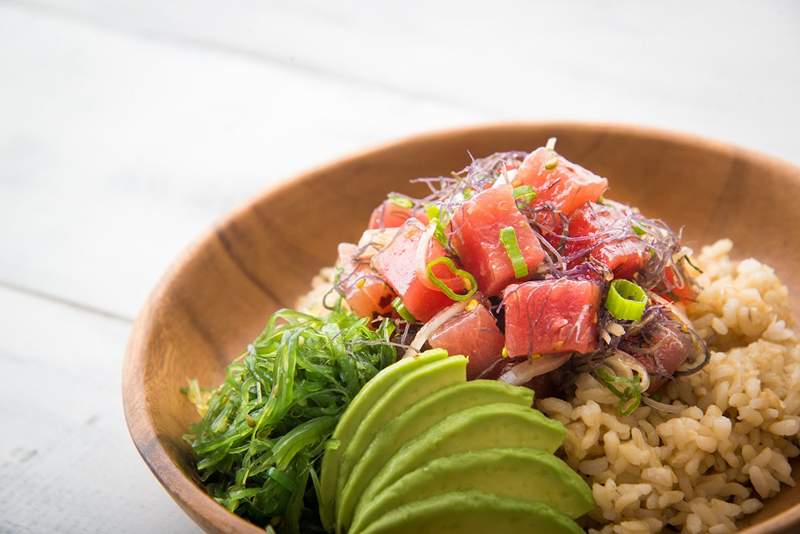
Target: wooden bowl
(217, 297)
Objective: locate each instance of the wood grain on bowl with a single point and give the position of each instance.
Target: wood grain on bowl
(217, 297)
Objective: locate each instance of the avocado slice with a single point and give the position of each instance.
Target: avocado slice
(481, 427)
(413, 422)
(405, 393)
(352, 417)
(524, 474)
(473, 511)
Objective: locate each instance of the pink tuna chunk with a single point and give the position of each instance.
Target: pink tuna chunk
(557, 180)
(474, 334)
(548, 316)
(475, 236)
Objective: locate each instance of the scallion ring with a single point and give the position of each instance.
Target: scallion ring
(508, 237)
(432, 211)
(626, 301)
(524, 194)
(401, 201)
(438, 231)
(402, 311)
(469, 281)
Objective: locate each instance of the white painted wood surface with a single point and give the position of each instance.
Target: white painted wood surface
(126, 128)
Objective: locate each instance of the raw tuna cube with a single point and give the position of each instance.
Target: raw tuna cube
(397, 264)
(365, 292)
(591, 225)
(671, 348)
(390, 215)
(473, 333)
(475, 236)
(549, 316)
(557, 180)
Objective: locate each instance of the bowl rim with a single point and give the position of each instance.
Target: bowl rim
(206, 512)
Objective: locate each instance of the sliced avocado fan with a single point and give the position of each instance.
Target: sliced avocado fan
(361, 404)
(523, 474)
(482, 427)
(405, 393)
(418, 418)
(473, 511)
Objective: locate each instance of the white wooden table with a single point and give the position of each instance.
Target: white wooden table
(127, 127)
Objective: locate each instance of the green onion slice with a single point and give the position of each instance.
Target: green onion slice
(524, 194)
(468, 193)
(432, 211)
(469, 280)
(401, 201)
(626, 301)
(638, 230)
(627, 390)
(402, 311)
(508, 237)
(435, 217)
(438, 231)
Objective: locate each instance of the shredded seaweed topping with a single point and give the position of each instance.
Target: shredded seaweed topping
(449, 192)
(261, 439)
(662, 244)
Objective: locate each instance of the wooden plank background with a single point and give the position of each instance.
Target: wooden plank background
(126, 128)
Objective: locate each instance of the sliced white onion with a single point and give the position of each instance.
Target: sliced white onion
(422, 257)
(605, 336)
(373, 241)
(678, 312)
(522, 373)
(669, 408)
(615, 329)
(507, 177)
(431, 326)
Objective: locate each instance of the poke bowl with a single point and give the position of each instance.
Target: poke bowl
(702, 441)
